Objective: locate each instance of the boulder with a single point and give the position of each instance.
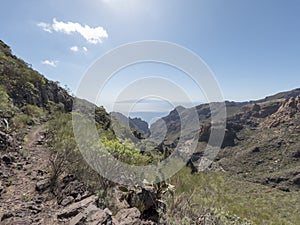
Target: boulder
(129, 216)
(75, 208)
(68, 200)
(71, 188)
(42, 185)
(91, 215)
(96, 217)
(78, 219)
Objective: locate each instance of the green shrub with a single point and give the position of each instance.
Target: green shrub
(6, 107)
(33, 111)
(21, 121)
(126, 152)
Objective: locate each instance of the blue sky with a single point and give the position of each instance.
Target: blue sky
(253, 47)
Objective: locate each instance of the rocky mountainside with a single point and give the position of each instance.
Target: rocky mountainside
(39, 182)
(26, 86)
(261, 141)
(268, 152)
(137, 124)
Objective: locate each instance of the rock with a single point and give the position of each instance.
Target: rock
(285, 113)
(90, 215)
(78, 219)
(19, 166)
(41, 172)
(7, 159)
(7, 216)
(284, 188)
(96, 218)
(75, 208)
(297, 154)
(72, 187)
(38, 200)
(277, 180)
(107, 212)
(296, 180)
(42, 185)
(19, 221)
(129, 216)
(35, 208)
(68, 200)
(256, 149)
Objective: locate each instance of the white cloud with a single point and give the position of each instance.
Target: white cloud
(92, 35)
(52, 63)
(46, 27)
(85, 49)
(74, 49)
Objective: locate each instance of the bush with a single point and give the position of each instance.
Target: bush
(33, 110)
(126, 152)
(21, 120)
(6, 107)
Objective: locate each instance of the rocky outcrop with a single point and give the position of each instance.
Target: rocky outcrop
(139, 127)
(87, 212)
(73, 209)
(229, 137)
(26, 86)
(71, 190)
(288, 113)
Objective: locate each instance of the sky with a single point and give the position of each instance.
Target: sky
(252, 47)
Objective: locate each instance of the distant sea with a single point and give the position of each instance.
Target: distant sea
(149, 117)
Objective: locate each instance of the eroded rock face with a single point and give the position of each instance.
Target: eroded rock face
(285, 114)
(229, 137)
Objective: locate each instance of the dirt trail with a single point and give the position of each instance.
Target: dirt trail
(20, 201)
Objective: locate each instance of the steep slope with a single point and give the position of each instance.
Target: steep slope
(261, 141)
(139, 127)
(43, 177)
(269, 152)
(26, 86)
(28, 102)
